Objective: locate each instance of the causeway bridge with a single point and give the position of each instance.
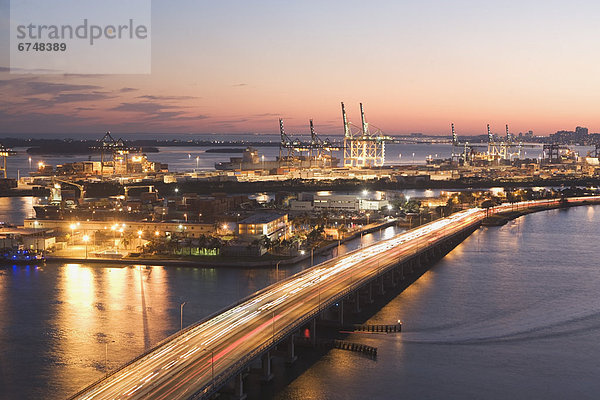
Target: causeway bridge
(215, 354)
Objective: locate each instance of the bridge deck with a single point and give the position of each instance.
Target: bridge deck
(199, 360)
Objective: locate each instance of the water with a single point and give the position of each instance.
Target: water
(62, 326)
(183, 158)
(513, 312)
(14, 210)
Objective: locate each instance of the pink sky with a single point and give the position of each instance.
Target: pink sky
(416, 68)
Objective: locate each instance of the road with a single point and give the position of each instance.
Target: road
(205, 353)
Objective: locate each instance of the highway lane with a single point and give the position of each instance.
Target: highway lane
(188, 363)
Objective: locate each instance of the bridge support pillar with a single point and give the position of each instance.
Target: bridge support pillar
(291, 351)
(380, 287)
(370, 293)
(341, 312)
(238, 388)
(357, 301)
(313, 332)
(267, 375)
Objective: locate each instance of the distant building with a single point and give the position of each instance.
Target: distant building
(209, 208)
(340, 202)
(272, 225)
(579, 136)
(28, 238)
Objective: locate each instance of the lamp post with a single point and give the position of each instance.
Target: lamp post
(106, 353)
(197, 161)
(212, 366)
(181, 315)
(35, 225)
(413, 158)
(72, 226)
(277, 271)
(319, 289)
(86, 239)
(114, 229)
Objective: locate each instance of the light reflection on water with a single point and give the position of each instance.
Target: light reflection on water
(62, 326)
(513, 312)
(14, 210)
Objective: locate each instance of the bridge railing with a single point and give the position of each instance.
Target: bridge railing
(221, 379)
(294, 326)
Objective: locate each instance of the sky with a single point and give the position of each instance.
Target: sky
(418, 66)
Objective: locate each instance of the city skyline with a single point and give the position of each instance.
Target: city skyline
(416, 68)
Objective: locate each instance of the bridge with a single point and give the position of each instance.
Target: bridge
(202, 359)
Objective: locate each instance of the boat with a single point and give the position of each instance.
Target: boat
(23, 257)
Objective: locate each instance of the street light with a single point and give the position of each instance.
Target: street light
(86, 239)
(73, 226)
(277, 271)
(114, 229)
(106, 353)
(413, 158)
(212, 366)
(181, 314)
(35, 225)
(197, 160)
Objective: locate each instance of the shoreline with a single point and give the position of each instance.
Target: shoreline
(497, 219)
(291, 185)
(173, 262)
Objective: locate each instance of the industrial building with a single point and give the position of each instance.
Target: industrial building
(272, 225)
(339, 202)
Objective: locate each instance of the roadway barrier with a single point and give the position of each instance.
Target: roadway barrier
(456, 227)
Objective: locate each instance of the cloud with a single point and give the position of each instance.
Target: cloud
(34, 121)
(79, 97)
(266, 115)
(166, 98)
(146, 107)
(127, 90)
(31, 86)
(158, 111)
(230, 121)
(239, 85)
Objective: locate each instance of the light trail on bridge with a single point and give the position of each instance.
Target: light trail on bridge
(198, 360)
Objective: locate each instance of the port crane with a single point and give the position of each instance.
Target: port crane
(362, 148)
